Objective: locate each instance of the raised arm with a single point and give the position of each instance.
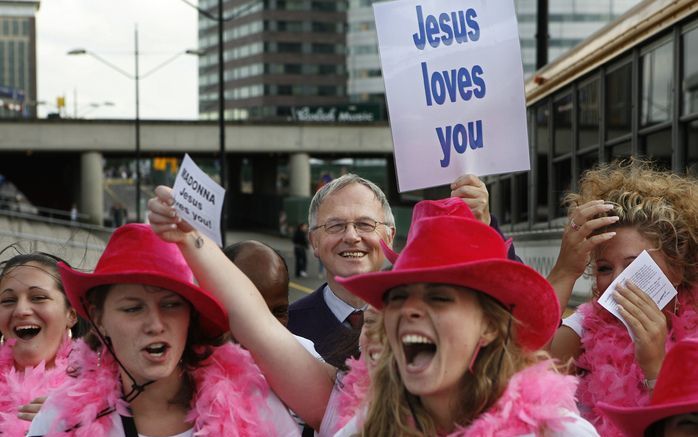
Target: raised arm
(578, 241)
(301, 381)
(577, 244)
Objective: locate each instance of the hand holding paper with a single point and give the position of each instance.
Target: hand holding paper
(636, 297)
(648, 277)
(199, 199)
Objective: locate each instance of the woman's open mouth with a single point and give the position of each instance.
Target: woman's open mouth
(27, 332)
(156, 350)
(419, 351)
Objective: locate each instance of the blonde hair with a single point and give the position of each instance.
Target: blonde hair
(393, 411)
(660, 205)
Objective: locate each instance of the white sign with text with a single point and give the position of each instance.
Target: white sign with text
(646, 274)
(455, 90)
(199, 199)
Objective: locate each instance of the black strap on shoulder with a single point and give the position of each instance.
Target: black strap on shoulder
(129, 426)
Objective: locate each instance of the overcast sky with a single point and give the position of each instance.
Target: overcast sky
(106, 27)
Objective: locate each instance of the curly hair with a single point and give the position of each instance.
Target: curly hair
(660, 205)
(394, 411)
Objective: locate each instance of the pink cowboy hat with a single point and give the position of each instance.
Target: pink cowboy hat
(135, 255)
(447, 245)
(676, 392)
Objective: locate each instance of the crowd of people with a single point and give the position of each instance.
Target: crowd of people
(170, 336)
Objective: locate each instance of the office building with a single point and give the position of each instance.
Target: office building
(279, 55)
(569, 22)
(18, 58)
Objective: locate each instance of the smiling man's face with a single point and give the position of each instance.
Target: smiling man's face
(350, 252)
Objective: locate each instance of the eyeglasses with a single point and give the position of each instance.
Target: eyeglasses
(362, 227)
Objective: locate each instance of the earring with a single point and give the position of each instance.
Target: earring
(99, 358)
(474, 357)
(2, 339)
(70, 333)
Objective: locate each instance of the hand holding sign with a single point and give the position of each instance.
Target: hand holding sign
(163, 217)
(199, 199)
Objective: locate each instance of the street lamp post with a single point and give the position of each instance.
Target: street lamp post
(136, 77)
(220, 19)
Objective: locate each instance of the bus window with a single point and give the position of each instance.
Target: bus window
(561, 184)
(657, 83)
(618, 151)
(563, 125)
(541, 148)
(618, 102)
(658, 148)
(505, 185)
(562, 159)
(690, 71)
(587, 160)
(692, 147)
(588, 103)
(521, 197)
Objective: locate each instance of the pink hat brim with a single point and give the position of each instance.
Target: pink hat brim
(212, 317)
(515, 285)
(633, 421)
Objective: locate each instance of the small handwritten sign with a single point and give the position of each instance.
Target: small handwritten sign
(199, 199)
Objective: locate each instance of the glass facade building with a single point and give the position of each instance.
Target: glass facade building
(18, 58)
(278, 55)
(569, 22)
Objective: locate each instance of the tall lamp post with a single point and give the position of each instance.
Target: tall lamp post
(220, 19)
(136, 77)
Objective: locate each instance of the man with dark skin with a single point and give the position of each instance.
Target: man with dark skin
(267, 270)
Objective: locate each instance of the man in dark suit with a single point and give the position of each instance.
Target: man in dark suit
(348, 218)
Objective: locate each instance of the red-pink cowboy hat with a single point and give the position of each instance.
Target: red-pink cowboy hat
(135, 255)
(447, 245)
(675, 393)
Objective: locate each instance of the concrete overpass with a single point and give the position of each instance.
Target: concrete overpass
(56, 162)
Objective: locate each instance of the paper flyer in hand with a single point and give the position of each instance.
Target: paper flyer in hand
(646, 274)
(199, 199)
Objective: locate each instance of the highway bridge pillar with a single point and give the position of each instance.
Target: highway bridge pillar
(91, 189)
(299, 166)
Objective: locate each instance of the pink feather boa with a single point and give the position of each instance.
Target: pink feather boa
(532, 403)
(354, 388)
(230, 396)
(610, 372)
(18, 388)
